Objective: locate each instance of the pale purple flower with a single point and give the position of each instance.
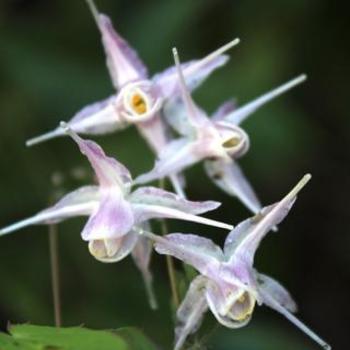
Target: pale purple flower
(218, 141)
(114, 211)
(228, 284)
(139, 98)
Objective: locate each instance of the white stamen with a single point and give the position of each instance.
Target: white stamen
(44, 137)
(94, 10)
(219, 51)
(239, 115)
(305, 179)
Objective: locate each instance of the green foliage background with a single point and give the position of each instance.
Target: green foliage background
(52, 64)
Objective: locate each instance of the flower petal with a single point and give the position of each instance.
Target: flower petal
(114, 218)
(123, 62)
(195, 115)
(277, 292)
(115, 249)
(242, 243)
(98, 118)
(176, 156)
(270, 301)
(175, 114)
(156, 196)
(230, 178)
(142, 256)
(108, 170)
(240, 114)
(195, 72)
(154, 132)
(226, 108)
(82, 201)
(145, 212)
(200, 252)
(190, 314)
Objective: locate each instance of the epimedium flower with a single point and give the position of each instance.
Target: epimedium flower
(218, 141)
(114, 210)
(228, 284)
(139, 98)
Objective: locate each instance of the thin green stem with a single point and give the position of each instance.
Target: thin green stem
(170, 260)
(55, 279)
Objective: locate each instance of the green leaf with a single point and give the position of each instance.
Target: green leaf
(135, 339)
(30, 337)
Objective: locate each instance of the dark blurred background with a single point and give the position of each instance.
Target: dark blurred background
(52, 64)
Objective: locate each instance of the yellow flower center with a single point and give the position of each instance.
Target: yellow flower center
(232, 142)
(243, 307)
(138, 104)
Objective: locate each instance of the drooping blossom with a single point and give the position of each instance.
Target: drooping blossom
(114, 210)
(228, 284)
(218, 141)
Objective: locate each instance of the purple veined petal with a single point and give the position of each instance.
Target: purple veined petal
(274, 304)
(223, 110)
(190, 313)
(229, 177)
(81, 202)
(240, 114)
(195, 115)
(114, 218)
(176, 156)
(199, 252)
(241, 276)
(108, 170)
(145, 212)
(174, 112)
(141, 255)
(154, 132)
(195, 72)
(160, 197)
(123, 62)
(114, 249)
(231, 306)
(98, 118)
(277, 292)
(242, 243)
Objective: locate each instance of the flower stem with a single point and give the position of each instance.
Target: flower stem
(55, 280)
(169, 259)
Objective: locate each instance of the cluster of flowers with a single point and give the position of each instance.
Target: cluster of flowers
(118, 223)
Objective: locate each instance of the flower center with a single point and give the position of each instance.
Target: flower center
(138, 104)
(232, 142)
(104, 248)
(243, 307)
